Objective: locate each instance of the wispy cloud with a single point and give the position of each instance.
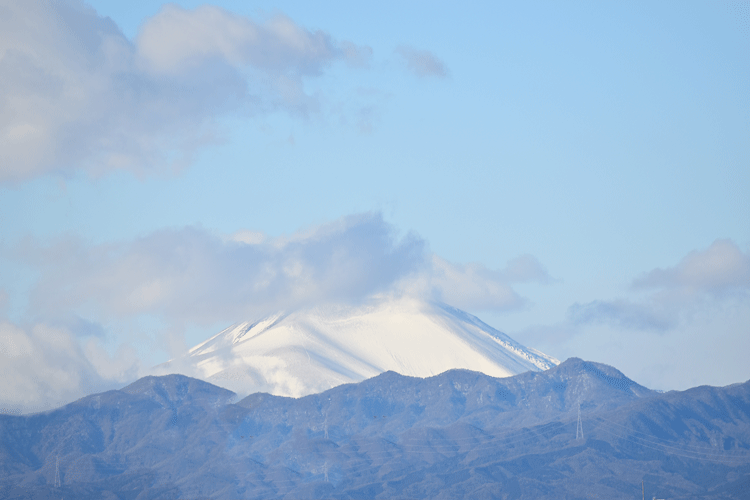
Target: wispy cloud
(722, 271)
(472, 286)
(623, 313)
(77, 96)
(477, 288)
(675, 327)
(525, 269)
(422, 62)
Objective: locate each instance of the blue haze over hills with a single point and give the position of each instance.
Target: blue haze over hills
(460, 434)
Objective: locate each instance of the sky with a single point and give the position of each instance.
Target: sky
(574, 174)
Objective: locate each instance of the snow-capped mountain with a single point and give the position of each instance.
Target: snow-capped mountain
(312, 350)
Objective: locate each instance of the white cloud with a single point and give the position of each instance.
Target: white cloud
(193, 275)
(248, 237)
(177, 40)
(720, 268)
(44, 367)
(474, 287)
(700, 280)
(77, 96)
(422, 62)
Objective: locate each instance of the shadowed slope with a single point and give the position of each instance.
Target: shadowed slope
(459, 434)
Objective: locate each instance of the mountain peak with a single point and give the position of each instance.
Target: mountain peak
(599, 373)
(311, 350)
(175, 389)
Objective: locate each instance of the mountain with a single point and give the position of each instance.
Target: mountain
(312, 350)
(459, 434)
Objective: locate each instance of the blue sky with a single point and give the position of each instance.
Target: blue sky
(576, 175)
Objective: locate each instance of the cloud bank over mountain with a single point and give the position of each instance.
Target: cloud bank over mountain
(126, 294)
(97, 295)
(77, 96)
(193, 275)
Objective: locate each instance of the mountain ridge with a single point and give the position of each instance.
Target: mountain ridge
(458, 434)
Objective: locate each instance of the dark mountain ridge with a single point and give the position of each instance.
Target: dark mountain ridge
(458, 434)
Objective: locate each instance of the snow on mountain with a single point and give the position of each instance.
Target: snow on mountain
(315, 349)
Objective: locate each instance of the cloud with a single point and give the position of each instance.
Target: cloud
(703, 279)
(721, 268)
(149, 291)
(79, 326)
(472, 286)
(248, 237)
(77, 96)
(708, 348)
(675, 328)
(45, 366)
(624, 313)
(475, 287)
(526, 268)
(422, 62)
(176, 41)
(193, 275)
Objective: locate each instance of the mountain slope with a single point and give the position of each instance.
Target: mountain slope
(460, 434)
(312, 350)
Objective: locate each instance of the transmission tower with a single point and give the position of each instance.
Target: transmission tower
(325, 469)
(325, 425)
(579, 425)
(58, 483)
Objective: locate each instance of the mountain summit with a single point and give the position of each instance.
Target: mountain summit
(312, 350)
